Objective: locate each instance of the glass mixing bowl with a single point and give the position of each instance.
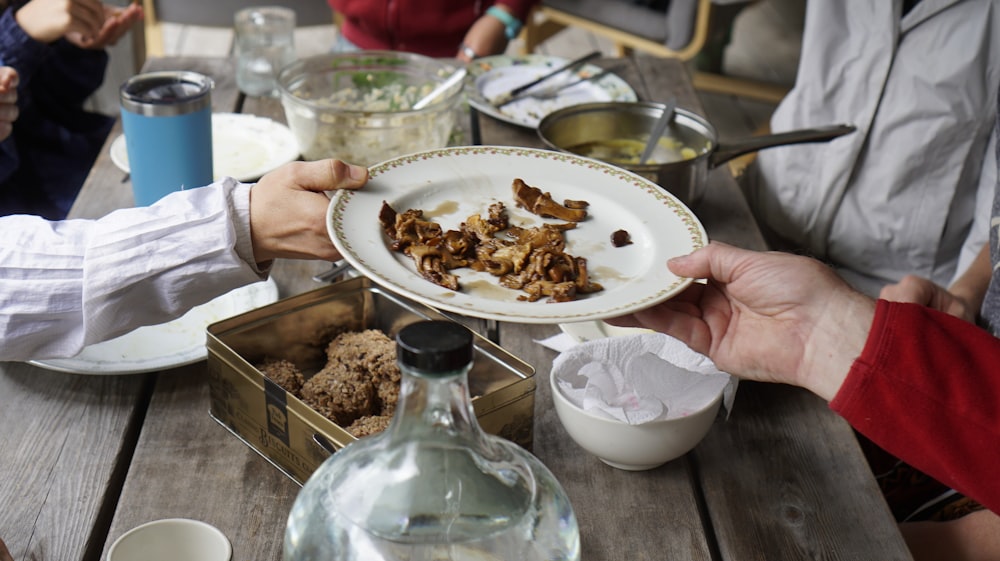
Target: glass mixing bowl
(357, 106)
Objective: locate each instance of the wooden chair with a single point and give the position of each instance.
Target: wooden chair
(218, 13)
(681, 31)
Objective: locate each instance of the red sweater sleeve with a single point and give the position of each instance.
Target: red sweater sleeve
(926, 388)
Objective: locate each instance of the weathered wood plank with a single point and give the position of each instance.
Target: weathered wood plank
(785, 474)
(64, 444)
(187, 465)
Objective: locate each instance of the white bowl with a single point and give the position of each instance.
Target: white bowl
(172, 539)
(633, 447)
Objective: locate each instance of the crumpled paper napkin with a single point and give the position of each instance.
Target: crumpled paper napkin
(640, 378)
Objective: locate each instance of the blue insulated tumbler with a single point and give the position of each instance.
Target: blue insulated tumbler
(167, 118)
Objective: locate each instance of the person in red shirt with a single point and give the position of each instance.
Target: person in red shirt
(920, 383)
(465, 29)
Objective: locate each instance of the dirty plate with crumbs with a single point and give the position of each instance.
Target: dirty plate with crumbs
(493, 75)
(451, 184)
(157, 347)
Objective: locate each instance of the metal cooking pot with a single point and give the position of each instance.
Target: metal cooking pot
(685, 172)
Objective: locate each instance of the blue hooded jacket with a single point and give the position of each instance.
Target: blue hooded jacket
(55, 140)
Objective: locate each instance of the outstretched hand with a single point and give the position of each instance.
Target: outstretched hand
(48, 20)
(89, 24)
(288, 209)
(117, 22)
(772, 317)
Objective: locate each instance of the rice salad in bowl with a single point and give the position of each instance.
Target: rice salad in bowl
(358, 106)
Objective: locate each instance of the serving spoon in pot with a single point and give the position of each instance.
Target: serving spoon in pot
(658, 127)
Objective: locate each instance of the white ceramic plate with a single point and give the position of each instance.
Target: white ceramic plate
(168, 345)
(453, 183)
(494, 75)
(244, 147)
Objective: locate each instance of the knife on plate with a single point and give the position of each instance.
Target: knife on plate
(505, 98)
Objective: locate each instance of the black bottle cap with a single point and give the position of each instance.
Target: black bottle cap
(434, 347)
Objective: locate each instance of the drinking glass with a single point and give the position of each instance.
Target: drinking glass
(265, 43)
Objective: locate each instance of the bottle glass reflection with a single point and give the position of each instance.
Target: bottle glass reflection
(433, 486)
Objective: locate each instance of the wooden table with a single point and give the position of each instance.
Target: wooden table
(85, 458)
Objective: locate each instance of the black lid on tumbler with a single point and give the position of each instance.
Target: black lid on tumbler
(166, 93)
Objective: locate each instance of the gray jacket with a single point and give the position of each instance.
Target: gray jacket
(910, 191)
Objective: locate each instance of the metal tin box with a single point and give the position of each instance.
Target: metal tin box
(293, 436)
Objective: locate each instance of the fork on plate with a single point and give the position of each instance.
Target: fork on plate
(552, 93)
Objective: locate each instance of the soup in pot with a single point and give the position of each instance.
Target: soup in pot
(627, 151)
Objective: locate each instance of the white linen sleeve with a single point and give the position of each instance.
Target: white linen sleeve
(979, 232)
(65, 285)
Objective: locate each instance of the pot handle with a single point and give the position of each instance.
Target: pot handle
(819, 134)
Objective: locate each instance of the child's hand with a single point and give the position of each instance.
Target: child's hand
(8, 114)
(48, 20)
(117, 22)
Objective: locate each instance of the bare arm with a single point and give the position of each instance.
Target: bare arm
(963, 299)
(488, 35)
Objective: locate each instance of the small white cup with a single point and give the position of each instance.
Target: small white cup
(172, 539)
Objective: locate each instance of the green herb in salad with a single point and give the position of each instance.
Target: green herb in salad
(377, 79)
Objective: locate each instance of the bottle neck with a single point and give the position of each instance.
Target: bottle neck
(434, 404)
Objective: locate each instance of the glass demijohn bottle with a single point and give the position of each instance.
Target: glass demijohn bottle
(433, 486)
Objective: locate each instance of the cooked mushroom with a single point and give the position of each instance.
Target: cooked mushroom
(620, 238)
(535, 201)
(432, 264)
(533, 260)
